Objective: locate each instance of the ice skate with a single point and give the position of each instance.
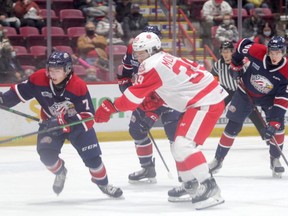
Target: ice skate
(111, 190)
(207, 195)
(146, 175)
(276, 167)
(182, 194)
(59, 181)
(215, 165)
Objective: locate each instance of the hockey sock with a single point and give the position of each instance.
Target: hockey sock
(99, 175)
(57, 167)
(224, 145)
(144, 150)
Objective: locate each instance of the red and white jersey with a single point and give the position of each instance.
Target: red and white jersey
(181, 83)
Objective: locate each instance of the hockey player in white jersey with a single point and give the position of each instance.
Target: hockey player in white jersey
(188, 88)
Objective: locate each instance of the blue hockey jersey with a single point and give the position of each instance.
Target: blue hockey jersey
(74, 100)
(266, 83)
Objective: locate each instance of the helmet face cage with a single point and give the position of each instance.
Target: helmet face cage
(60, 59)
(277, 43)
(153, 29)
(147, 41)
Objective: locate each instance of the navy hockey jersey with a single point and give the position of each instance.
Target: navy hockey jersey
(74, 100)
(266, 83)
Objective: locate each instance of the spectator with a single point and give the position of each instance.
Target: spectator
(91, 46)
(267, 33)
(227, 31)
(94, 10)
(213, 12)
(7, 17)
(251, 4)
(3, 37)
(134, 23)
(10, 68)
(122, 9)
(91, 75)
(103, 28)
(28, 13)
(252, 25)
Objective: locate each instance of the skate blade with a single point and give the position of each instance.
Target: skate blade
(144, 181)
(210, 202)
(276, 175)
(185, 198)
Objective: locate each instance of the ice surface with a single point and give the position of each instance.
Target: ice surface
(245, 180)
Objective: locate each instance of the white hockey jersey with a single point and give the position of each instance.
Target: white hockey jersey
(181, 83)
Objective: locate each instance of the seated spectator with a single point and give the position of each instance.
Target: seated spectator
(3, 37)
(252, 25)
(267, 32)
(251, 4)
(103, 28)
(122, 9)
(91, 47)
(91, 75)
(213, 12)
(10, 68)
(227, 31)
(28, 13)
(27, 73)
(7, 17)
(134, 23)
(93, 10)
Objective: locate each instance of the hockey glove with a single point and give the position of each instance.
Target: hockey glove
(270, 130)
(151, 102)
(236, 70)
(124, 83)
(104, 112)
(148, 121)
(55, 122)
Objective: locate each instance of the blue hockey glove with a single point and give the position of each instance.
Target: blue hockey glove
(148, 121)
(55, 122)
(123, 82)
(270, 130)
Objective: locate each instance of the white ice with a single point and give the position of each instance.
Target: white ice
(245, 180)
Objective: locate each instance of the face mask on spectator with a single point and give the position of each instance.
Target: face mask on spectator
(267, 33)
(226, 22)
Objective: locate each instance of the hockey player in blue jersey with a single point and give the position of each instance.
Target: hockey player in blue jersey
(265, 81)
(64, 98)
(143, 119)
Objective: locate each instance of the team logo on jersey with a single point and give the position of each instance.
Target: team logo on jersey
(261, 83)
(46, 139)
(46, 94)
(65, 107)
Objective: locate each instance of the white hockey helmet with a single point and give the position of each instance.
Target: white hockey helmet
(148, 41)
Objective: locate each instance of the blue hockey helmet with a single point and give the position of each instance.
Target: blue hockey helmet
(60, 59)
(154, 29)
(277, 43)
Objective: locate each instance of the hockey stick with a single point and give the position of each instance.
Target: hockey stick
(261, 118)
(154, 143)
(45, 130)
(19, 113)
